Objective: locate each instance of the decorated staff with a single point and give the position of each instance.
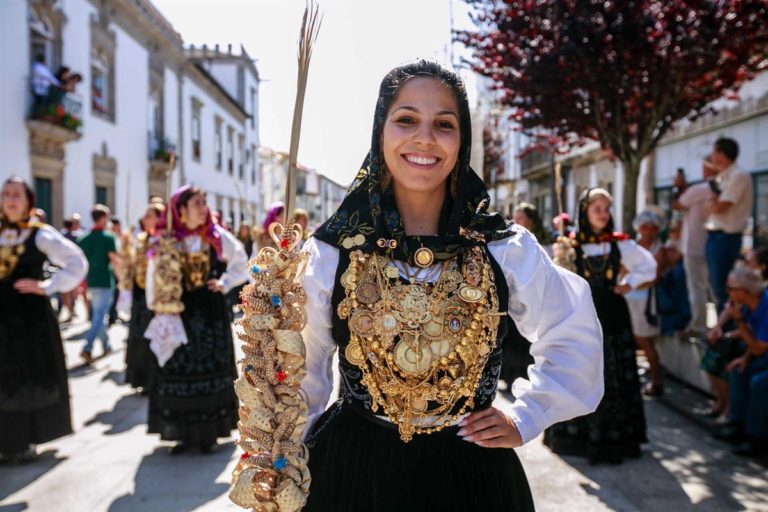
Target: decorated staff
(272, 474)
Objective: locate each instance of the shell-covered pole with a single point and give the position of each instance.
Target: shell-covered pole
(272, 474)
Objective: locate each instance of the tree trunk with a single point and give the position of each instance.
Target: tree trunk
(631, 175)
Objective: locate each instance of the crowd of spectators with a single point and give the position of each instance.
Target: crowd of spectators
(701, 261)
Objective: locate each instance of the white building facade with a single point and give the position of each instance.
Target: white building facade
(142, 97)
(315, 193)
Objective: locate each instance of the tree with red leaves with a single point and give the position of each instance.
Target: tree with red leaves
(618, 71)
(492, 150)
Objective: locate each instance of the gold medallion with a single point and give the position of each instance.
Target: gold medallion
(412, 356)
(424, 257)
(419, 404)
(609, 273)
(470, 294)
(348, 243)
(359, 239)
(354, 353)
(433, 328)
(440, 348)
(348, 279)
(388, 324)
(361, 323)
(367, 293)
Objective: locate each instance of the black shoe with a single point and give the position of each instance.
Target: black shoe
(26, 456)
(179, 448)
(730, 434)
(750, 449)
(207, 448)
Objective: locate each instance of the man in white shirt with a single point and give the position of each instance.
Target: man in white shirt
(728, 216)
(694, 203)
(42, 79)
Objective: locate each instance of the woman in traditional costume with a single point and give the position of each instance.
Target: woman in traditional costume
(414, 283)
(613, 265)
(139, 360)
(192, 400)
(34, 394)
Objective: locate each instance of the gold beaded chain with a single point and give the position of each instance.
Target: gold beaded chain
(421, 346)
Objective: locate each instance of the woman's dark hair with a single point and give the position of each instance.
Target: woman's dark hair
(761, 257)
(539, 231)
(188, 194)
(728, 147)
(61, 72)
(28, 192)
(422, 68)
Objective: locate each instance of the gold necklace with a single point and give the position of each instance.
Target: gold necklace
(421, 346)
(9, 256)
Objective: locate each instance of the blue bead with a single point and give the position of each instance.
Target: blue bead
(255, 269)
(248, 367)
(280, 463)
(276, 301)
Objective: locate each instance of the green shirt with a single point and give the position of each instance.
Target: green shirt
(97, 245)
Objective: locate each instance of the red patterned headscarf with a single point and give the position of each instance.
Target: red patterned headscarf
(207, 230)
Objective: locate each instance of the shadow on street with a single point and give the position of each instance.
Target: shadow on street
(14, 477)
(128, 412)
(653, 482)
(14, 507)
(157, 489)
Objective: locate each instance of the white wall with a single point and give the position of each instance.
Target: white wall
(125, 138)
(226, 74)
(14, 89)
(203, 173)
(752, 136)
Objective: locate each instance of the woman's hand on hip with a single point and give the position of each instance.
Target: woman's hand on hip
(490, 428)
(28, 286)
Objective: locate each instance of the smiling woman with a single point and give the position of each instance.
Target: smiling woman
(414, 283)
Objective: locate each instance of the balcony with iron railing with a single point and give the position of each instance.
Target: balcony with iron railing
(159, 148)
(58, 115)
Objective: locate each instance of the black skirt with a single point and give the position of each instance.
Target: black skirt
(140, 362)
(617, 428)
(192, 398)
(359, 463)
(34, 392)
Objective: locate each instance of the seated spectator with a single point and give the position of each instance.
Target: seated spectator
(757, 259)
(748, 373)
(671, 290)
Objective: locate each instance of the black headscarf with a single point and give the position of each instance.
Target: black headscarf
(585, 233)
(367, 210)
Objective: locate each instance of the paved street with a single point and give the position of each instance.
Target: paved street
(111, 464)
